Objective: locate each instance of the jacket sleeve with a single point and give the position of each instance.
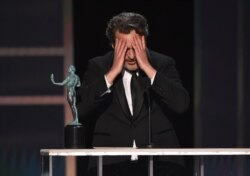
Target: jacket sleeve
(168, 86)
(93, 90)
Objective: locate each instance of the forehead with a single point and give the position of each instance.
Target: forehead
(128, 37)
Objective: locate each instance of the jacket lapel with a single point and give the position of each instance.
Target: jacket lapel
(143, 85)
(120, 92)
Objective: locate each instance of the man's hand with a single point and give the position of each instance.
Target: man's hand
(141, 56)
(118, 61)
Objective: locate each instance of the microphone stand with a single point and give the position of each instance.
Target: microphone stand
(150, 137)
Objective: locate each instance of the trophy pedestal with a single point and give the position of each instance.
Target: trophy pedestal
(74, 136)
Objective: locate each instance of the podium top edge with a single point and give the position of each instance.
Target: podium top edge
(123, 151)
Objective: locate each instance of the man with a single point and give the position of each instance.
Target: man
(116, 114)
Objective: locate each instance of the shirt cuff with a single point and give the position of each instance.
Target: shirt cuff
(108, 87)
(153, 78)
(107, 83)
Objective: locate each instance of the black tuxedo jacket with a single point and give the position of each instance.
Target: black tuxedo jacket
(106, 114)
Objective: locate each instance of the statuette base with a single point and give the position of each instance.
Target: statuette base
(74, 136)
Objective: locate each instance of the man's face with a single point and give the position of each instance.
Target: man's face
(130, 62)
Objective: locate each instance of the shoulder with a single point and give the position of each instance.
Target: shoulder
(158, 59)
(101, 63)
(104, 59)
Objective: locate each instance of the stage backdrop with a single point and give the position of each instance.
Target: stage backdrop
(31, 107)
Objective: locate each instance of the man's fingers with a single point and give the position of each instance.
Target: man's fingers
(143, 42)
(138, 42)
(120, 46)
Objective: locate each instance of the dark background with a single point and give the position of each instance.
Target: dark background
(209, 40)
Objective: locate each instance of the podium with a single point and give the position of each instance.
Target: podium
(48, 154)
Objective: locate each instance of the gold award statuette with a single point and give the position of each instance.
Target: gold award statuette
(74, 131)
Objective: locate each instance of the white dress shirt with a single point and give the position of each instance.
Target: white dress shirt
(126, 83)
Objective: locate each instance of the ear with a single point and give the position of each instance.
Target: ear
(113, 46)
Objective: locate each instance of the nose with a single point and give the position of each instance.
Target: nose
(131, 53)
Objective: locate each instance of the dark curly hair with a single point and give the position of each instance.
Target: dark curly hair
(124, 23)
